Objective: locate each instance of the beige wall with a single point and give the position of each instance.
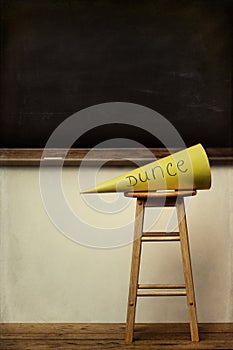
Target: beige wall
(46, 277)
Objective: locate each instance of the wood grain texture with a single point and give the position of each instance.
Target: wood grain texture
(135, 266)
(70, 336)
(160, 236)
(160, 199)
(157, 195)
(177, 200)
(161, 286)
(187, 268)
(111, 157)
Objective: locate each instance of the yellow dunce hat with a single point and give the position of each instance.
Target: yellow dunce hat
(187, 169)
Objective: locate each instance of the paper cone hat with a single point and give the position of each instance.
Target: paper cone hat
(187, 169)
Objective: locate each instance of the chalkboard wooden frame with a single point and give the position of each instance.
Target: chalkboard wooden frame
(31, 156)
(111, 157)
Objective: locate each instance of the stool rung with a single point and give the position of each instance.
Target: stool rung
(160, 236)
(161, 286)
(143, 293)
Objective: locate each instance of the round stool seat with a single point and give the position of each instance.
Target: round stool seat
(160, 195)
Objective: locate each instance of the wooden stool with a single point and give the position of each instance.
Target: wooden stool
(160, 199)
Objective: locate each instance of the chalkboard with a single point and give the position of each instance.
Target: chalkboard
(58, 57)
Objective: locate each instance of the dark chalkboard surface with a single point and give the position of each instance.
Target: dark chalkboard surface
(58, 57)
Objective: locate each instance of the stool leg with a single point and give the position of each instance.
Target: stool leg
(187, 268)
(135, 266)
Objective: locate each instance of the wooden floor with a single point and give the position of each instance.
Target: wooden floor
(111, 336)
